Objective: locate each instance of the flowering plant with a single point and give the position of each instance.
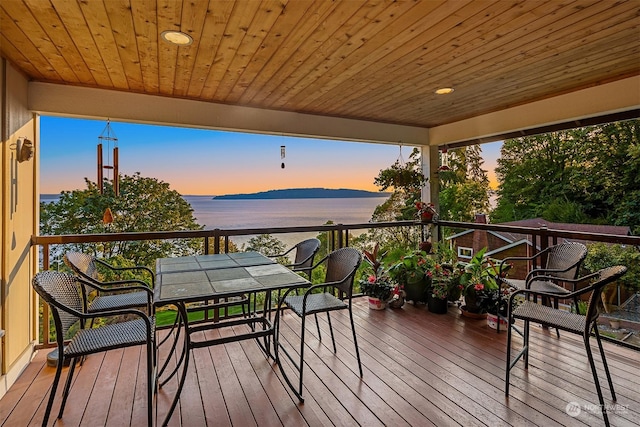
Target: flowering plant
(377, 284)
(441, 283)
(376, 287)
(425, 210)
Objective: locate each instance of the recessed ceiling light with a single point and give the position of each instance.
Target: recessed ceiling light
(176, 37)
(444, 90)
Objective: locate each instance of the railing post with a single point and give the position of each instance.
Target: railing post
(544, 243)
(216, 242)
(45, 307)
(206, 245)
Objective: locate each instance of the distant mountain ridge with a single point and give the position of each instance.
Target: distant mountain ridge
(304, 193)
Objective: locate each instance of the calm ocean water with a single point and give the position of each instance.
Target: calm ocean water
(212, 213)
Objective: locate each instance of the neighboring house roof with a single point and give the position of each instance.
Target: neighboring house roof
(507, 247)
(618, 230)
(513, 239)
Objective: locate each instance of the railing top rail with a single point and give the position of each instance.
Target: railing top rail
(550, 232)
(212, 233)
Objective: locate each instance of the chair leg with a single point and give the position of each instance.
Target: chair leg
(301, 365)
(67, 384)
(604, 362)
(54, 387)
(355, 341)
(595, 379)
(527, 325)
(318, 327)
(150, 382)
(556, 305)
(331, 330)
(508, 367)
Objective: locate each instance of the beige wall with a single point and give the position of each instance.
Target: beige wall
(18, 219)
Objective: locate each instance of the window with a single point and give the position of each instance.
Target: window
(465, 252)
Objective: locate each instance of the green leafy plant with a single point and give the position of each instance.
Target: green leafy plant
(479, 283)
(411, 267)
(377, 284)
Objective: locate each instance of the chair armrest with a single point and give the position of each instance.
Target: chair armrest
(137, 267)
(536, 273)
(529, 292)
(282, 254)
(101, 287)
(523, 258)
(295, 264)
(102, 314)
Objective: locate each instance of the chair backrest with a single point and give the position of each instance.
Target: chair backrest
(602, 279)
(82, 264)
(341, 268)
(305, 252)
(61, 291)
(566, 256)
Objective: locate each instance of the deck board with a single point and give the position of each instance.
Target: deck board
(419, 368)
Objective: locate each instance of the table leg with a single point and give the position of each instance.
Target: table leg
(184, 359)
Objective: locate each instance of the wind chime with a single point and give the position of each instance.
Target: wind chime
(109, 137)
(282, 155)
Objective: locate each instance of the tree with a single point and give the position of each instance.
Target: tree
(144, 204)
(268, 245)
(585, 175)
(464, 190)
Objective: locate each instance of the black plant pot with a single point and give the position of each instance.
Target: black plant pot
(437, 305)
(416, 291)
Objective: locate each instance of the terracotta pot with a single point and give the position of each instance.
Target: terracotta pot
(426, 216)
(426, 246)
(470, 315)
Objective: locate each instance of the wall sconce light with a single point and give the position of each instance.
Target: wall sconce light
(24, 150)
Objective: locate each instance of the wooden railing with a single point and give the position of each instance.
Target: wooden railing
(338, 236)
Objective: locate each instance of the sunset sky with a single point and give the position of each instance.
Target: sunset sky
(206, 162)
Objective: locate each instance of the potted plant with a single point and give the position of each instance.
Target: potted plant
(478, 281)
(426, 211)
(410, 272)
(440, 286)
(377, 286)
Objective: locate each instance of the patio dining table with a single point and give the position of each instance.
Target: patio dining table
(202, 278)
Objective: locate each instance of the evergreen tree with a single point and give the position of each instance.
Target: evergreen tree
(584, 175)
(464, 190)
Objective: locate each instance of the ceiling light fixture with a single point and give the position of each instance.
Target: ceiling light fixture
(176, 37)
(444, 90)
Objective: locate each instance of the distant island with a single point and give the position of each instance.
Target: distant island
(304, 193)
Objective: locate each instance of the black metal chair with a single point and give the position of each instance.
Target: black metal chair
(63, 293)
(111, 295)
(341, 268)
(561, 264)
(530, 311)
(305, 253)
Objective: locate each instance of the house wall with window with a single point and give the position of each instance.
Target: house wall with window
(18, 221)
(466, 245)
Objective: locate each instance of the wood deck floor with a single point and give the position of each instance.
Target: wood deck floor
(420, 369)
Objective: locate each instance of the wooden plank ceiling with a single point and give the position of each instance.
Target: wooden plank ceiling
(370, 60)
